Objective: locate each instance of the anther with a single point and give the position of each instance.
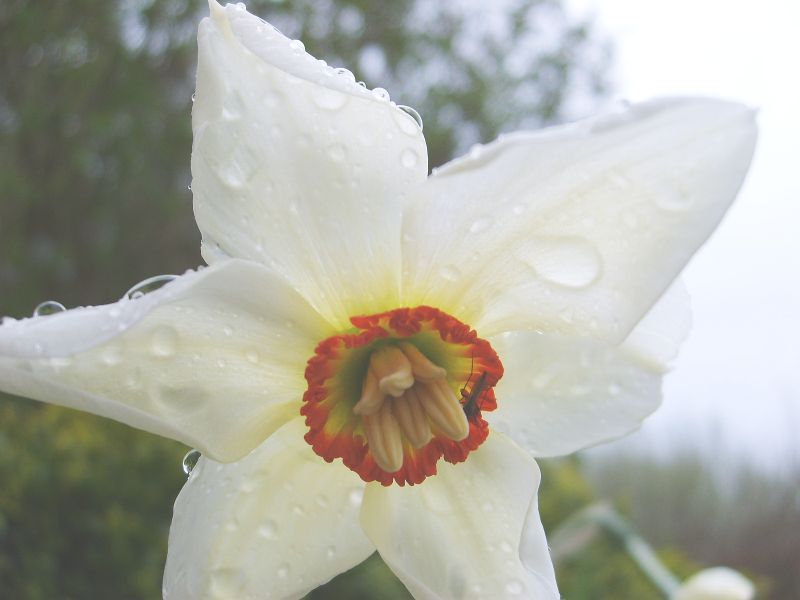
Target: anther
(371, 396)
(392, 370)
(412, 418)
(384, 438)
(423, 369)
(444, 409)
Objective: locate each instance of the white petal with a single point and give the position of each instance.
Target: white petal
(298, 167)
(214, 359)
(660, 333)
(275, 524)
(560, 394)
(576, 229)
(470, 532)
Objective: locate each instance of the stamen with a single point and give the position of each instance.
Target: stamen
(423, 369)
(371, 396)
(392, 370)
(384, 438)
(444, 409)
(412, 418)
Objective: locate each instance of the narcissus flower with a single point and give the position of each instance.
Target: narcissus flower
(373, 355)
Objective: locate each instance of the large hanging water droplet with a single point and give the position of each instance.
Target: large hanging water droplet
(190, 460)
(148, 285)
(48, 307)
(412, 113)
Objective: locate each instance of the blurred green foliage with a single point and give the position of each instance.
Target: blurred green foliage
(94, 166)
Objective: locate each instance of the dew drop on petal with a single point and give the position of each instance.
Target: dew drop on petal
(450, 273)
(356, 496)
(269, 530)
(381, 94)
(337, 152)
(190, 460)
(413, 114)
(346, 74)
(330, 552)
(518, 209)
(514, 587)
(409, 158)
(329, 99)
(297, 46)
(567, 261)
(48, 307)
(164, 341)
(481, 224)
(283, 571)
(148, 285)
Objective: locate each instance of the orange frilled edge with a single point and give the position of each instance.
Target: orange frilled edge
(336, 371)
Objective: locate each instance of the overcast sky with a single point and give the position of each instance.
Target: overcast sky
(737, 380)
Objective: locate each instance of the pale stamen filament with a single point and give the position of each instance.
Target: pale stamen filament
(371, 396)
(412, 418)
(384, 438)
(444, 409)
(423, 369)
(392, 370)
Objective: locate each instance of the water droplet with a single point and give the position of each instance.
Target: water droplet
(330, 552)
(337, 152)
(48, 307)
(194, 96)
(112, 355)
(297, 46)
(450, 273)
(414, 115)
(567, 261)
(283, 571)
(240, 6)
(148, 285)
(673, 200)
(476, 151)
(518, 209)
(268, 530)
(481, 224)
(514, 587)
(164, 341)
(346, 74)
(381, 94)
(356, 496)
(329, 99)
(408, 158)
(190, 460)
(252, 356)
(227, 330)
(226, 583)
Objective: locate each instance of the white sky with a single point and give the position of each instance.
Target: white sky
(737, 380)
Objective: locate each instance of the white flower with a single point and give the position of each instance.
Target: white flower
(353, 278)
(718, 583)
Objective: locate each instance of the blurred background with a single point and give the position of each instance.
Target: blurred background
(95, 99)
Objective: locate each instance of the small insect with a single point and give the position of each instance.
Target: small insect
(470, 405)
